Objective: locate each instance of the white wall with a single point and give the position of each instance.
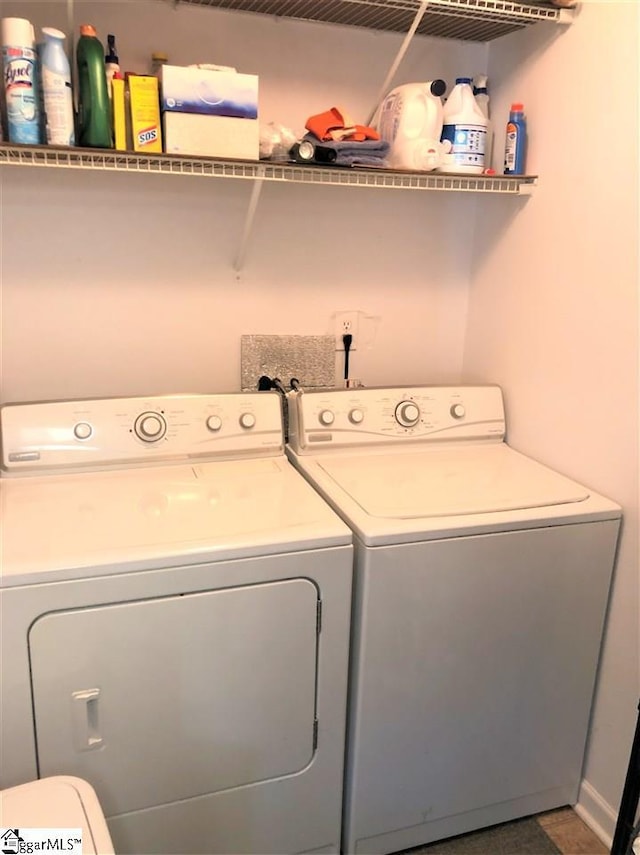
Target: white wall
(553, 313)
(116, 284)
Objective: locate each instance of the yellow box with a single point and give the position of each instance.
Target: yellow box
(145, 113)
(119, 115)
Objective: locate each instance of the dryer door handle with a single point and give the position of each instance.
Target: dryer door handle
(86, 732)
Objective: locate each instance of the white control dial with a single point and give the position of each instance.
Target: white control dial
(326, 417)
(214, 423)
(407, 413)
(457, 411)
(247, 420)
(150, 427)
(356, 416)
(82, 430)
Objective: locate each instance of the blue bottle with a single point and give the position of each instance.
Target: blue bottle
(56, 88)
(516, 143)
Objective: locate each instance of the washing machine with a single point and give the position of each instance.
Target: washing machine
(53, 809)
(480, 592)
(175, 607)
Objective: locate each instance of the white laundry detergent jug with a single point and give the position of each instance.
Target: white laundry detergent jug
(410, 119)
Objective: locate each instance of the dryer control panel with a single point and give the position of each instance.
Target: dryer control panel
(361, 417)
(112, 431)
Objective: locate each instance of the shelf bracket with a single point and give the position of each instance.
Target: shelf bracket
(526, 189)
(248, 222)
(399, 57)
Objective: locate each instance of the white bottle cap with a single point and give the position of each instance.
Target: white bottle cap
(17, 32)
(53, 33)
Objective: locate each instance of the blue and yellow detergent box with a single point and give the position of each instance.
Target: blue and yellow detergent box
(144, 101)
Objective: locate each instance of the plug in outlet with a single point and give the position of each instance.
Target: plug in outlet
(346, 323)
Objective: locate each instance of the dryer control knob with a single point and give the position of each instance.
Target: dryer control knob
(407, 414)
(247, 420)
(356, 417)
(150, 427)
(214, 423)
(326, 418)
(458, 411)
(82, 430)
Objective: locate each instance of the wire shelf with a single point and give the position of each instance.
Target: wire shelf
(470, 20)
(203, 167)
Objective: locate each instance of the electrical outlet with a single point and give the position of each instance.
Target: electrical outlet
(346, 323)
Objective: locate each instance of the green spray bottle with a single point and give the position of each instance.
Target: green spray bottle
(94, 115)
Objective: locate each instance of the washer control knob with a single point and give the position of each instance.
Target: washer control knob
(356, 417)
(407, 414)
(82, 430)
(458, 411)
(326, 417)
(247, 420)
(214, 423)
(150, 427)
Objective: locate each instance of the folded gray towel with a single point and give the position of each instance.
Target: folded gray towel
(346, 152)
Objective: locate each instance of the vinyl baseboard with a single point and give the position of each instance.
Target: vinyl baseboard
(597, 813)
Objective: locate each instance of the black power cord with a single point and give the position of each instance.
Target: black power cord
(347, 340)
(269, 384)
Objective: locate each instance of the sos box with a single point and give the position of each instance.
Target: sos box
(144, 101)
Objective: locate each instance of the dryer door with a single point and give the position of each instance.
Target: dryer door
(169, 698)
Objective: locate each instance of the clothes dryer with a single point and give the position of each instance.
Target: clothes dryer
(481, 584)
(175, 622)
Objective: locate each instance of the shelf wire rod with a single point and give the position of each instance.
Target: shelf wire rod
(399, 57)
(248, 223)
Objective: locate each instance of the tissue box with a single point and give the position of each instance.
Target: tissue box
(212, 136)
(211, 93)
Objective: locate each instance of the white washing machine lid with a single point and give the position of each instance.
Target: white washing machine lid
(450, 482)
(83, 524)
(58, 802)
(412, 494)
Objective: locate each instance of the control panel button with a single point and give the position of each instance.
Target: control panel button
(356, 416)
(326, 417)
(82, 430)
(407, 413)
(214, 423)
(150, 427)
(247, 420)
(457, 411)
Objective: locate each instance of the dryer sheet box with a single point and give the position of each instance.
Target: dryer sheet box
(211, 113)
(211, 136)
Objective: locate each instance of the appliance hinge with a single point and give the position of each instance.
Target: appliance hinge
(318, 616)
(315, 733)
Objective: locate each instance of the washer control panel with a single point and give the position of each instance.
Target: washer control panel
(350, 417)
(111, 431)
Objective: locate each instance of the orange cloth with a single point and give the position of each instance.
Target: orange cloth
(336, 125)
